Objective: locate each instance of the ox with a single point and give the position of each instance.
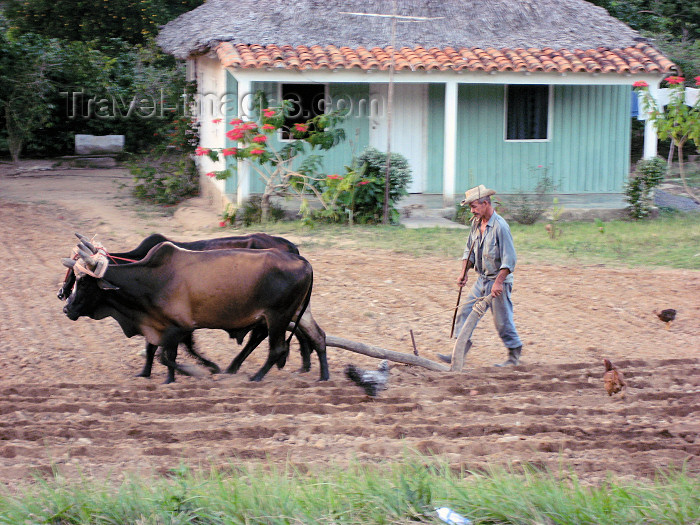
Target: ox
(307, 332)
(173, 291)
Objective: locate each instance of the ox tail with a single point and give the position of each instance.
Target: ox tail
(307, 299)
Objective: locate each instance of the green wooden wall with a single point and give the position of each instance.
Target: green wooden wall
(588, 150)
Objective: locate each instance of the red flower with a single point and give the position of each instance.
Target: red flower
(211, 174)
(269, 112)
(257, 151)
(201, 151)
(303, 128)
(675, 80)
(640, 84)
(334, 177)
(216, 120)
(269, 127)
(697, 81)
(363, 182)
(249, 126)
(229, 151)
(222, 224)
(260, 139)
(236, 121)
(234, 134)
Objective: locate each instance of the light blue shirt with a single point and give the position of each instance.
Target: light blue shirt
(494, 250)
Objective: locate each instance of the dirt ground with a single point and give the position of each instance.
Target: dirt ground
(69, 399)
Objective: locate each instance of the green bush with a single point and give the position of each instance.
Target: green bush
(168, 178)
(648, 175)
(528, 208)
(463, 214)
(369, 198)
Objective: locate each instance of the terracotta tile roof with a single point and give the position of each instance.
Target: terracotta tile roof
(642, 58)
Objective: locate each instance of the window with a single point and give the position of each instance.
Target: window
(308, 101)
(527, 112)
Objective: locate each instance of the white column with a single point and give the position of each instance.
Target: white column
(449, 162)
(650, 136)
(243, 168)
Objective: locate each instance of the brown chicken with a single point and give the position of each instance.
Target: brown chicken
(613, 379)
(667, 315)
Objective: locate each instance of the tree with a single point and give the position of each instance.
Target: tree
(672, 25)
(676, 121)
(26, 88)
(279, 167)
(134, 21)
(676, 17)
(107, 69)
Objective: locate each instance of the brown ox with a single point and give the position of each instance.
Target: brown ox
(172, 292)
(307, 332)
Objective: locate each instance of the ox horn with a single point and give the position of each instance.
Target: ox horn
(87, 246)
(86, 242)
(87, 257)
(68, 263)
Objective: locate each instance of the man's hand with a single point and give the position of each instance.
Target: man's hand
(466, 264)
(462, 280)
(497, 288)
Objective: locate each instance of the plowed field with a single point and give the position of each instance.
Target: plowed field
(69, 399)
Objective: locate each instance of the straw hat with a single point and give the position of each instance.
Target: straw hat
(475, 194)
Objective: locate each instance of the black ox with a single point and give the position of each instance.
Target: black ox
(307, 332)
(172, 291)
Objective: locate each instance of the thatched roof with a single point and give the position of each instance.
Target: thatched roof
(557, 24)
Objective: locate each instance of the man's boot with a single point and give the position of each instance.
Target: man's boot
(445, 358)
(513, 357)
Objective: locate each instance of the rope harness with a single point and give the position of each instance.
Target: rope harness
(100, 258)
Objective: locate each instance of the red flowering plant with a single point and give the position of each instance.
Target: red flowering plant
(677, 121)
(278, 165)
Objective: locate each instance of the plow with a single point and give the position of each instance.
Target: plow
(459, 352)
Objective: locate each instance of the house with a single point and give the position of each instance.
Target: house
(485, 91)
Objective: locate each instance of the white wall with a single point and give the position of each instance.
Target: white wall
(211, 90)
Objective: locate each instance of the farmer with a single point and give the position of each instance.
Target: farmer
(490, 251)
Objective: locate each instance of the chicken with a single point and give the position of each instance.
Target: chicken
(373, 381)
(613, 379)
(667, 315)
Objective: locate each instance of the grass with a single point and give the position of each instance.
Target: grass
(394, 493)
(672, 240)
